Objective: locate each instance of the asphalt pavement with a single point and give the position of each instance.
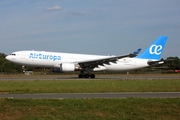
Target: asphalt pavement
(93, 95)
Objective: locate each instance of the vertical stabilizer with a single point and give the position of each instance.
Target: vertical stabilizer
(155, 50)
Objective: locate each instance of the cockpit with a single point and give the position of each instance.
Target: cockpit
(13, 54)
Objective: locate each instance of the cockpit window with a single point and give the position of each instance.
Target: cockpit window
(13, 54)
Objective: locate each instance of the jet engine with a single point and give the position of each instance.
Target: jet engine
(67, 67)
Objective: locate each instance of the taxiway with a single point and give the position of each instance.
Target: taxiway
(93, 95)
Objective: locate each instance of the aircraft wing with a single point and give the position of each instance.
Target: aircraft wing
(102, 61)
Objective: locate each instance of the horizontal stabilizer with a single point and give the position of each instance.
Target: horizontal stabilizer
(151, 63)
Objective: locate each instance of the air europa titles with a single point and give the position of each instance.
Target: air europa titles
(44, 56)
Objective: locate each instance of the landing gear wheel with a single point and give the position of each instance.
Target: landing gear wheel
(92, 76)
(81, 75)
(86, 76)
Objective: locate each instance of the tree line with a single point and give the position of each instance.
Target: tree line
(171, 63)
(8, 67)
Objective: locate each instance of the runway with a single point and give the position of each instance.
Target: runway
(98, 77)
(93, 95)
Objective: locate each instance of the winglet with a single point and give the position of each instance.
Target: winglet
(154, 51)
(137, 51)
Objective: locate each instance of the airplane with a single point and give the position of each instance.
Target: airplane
(86, 64)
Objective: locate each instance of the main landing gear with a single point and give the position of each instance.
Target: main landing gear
(86, 76)
(82, 75)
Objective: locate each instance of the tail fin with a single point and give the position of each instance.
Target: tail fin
(155, 50)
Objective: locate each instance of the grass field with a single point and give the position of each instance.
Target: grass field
(88, 86)
(90, 109)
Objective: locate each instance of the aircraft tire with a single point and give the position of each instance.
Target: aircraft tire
(86, 76)
(81, 76)
(92, 75)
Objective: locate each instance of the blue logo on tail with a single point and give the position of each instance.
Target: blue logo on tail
(155, 50)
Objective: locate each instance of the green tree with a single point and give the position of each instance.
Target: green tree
(8, 67)
(2, 60)
(173, 63)
(2, 55)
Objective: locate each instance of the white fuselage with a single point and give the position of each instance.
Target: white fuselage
(54, 59)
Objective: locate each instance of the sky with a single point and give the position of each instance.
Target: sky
(102, 27)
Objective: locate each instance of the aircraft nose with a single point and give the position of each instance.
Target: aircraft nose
(8, 57)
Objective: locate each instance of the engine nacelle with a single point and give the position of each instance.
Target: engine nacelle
(67, 67)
